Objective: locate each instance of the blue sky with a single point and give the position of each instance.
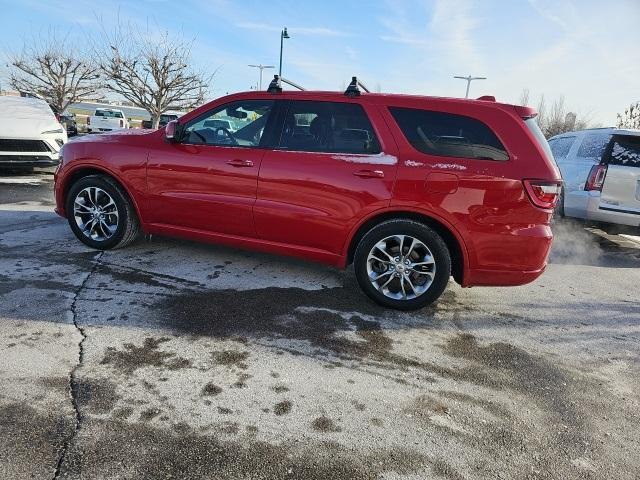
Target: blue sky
(587, 51)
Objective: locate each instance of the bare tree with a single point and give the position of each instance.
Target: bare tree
(53, 68)
(151, 71)
(555, 119)
(630, 118)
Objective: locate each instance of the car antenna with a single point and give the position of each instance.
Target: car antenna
(276, 84)
(353, 90)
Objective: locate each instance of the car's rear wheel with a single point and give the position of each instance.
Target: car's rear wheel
(402, 264)
(101, 214)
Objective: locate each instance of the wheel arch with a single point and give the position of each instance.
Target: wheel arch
(451, 237)
(88, 170)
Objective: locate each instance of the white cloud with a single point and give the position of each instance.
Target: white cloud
(311, 31)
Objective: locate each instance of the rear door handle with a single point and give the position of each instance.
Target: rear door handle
(369, 173)
(240, 163)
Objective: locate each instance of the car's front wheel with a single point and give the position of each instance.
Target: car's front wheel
(101, 214)
(402, 264)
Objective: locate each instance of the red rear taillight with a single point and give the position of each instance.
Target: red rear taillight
(542, 193)
(596, 178)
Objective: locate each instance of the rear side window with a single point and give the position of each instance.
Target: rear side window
(560, 147)
(625, 151)
(448, 135)
(593, 145)
(328, 127)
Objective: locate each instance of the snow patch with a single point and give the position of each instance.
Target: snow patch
(449, 166)
(413, 163)
(378, 159)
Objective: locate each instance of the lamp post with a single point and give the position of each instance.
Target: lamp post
(261, 67)
(283, 35)
(469, 79)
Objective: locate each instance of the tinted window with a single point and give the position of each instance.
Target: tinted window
(560, 147)
(448, 135)
(625, 151)
(328, 127)
(593, 145)
(235, 124)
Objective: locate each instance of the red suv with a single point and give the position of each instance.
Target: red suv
(410, 189)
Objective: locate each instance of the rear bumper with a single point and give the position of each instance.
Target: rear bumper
(510, 257)
(502, 278)
(586, 205)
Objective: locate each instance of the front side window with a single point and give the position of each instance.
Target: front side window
(560, 147)
(239, 124)
(625, 151)
(328, 127)
(448, 135)
(593, 145)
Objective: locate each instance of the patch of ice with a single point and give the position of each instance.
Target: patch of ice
(413, 163)
(377, 159)
(449, 166)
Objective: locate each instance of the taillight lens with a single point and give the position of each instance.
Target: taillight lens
(88, 120)
(121, 123)
(542, 193)
(595, 180)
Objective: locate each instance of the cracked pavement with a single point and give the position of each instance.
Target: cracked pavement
(173, 359)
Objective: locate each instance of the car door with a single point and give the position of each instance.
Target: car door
(331, 168)
(207, 180)
(621, 189)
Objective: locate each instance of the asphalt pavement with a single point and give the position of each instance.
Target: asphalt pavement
(172, 359)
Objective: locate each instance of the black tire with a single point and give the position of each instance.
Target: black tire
(128, 225)
(560, 205)
(424, 234)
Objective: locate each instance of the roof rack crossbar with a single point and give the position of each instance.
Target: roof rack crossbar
(276, 84)
(353, 90)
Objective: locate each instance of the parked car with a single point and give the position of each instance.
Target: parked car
(30, 135)
(107, 120)
(612, 191)
(437, 187)
(164, 119)
(575, 153)
(68, 120)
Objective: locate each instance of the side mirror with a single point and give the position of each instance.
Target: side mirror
(171, 131)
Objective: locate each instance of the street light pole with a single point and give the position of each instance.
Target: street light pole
(261, 67)
(283, 35)
(469, 79)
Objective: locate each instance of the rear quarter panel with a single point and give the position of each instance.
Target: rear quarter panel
(483, 199)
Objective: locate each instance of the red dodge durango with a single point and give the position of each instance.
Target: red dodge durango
(410, 189)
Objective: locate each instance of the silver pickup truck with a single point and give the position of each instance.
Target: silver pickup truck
(613, 185)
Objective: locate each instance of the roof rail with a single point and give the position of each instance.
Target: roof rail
(276, 84)
(353, 90)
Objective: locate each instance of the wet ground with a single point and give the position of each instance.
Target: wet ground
(172, 359)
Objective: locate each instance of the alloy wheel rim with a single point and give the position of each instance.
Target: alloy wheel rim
(95, 213)
(401, 267)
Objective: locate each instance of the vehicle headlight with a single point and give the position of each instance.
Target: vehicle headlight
(60, 142)
(59, 130)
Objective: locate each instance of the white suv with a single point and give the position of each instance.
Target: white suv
(30, 135)
(584, 158)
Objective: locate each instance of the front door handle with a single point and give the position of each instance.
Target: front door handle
(369, 173)
(240, 163)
